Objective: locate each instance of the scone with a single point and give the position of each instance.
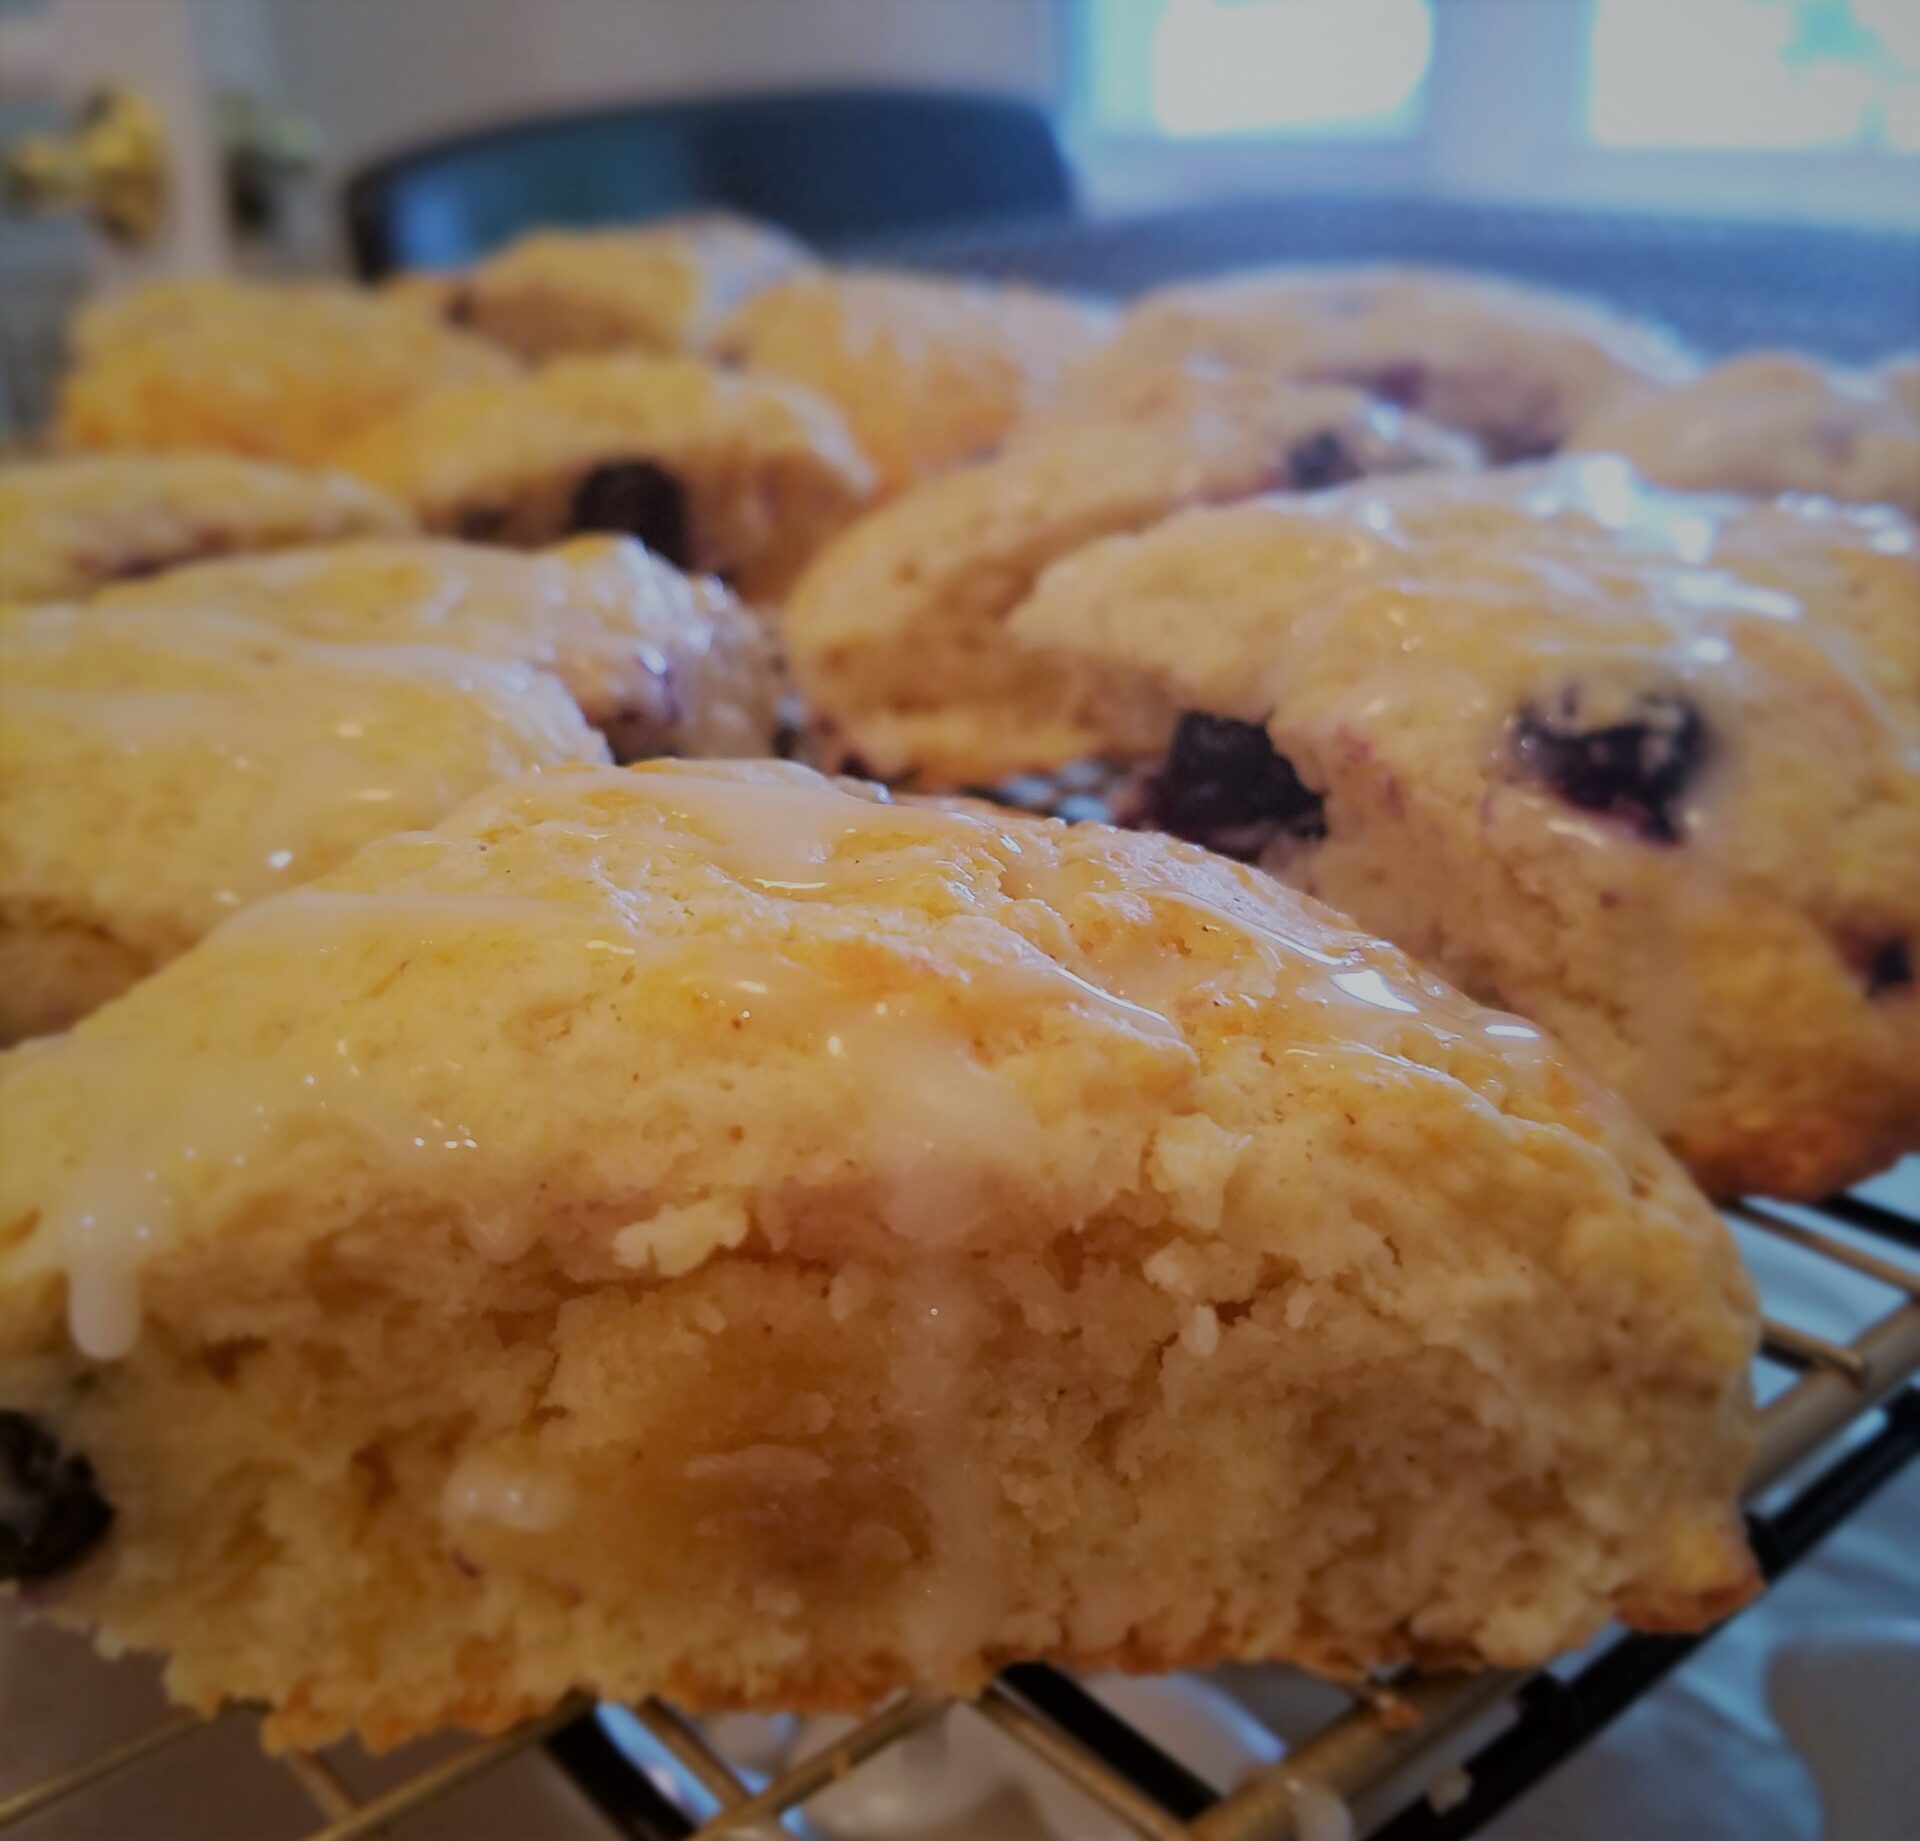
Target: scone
(741, 477)
(929, 371)
(895, 634)
(158, 774)
(1518, 367)
(702, 1231)
(1770, 422)
(70, 526)
(664, 287)
(1541, 731)
(280, 371)
(659, 662)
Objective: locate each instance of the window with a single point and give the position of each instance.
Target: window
(1211, 69)
(1755, 74)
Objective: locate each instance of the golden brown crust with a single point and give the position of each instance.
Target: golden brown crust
(279, 372)
(929, 372)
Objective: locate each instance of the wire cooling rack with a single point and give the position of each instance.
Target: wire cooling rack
(1410, 1763)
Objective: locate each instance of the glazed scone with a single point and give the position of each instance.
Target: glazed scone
(894, 634)
(664, 287)
(157, 774)
(703, 1231)
(1539, 730)
(1853, 569)
(1517, 367)
(736, 476)
(73, 525)
(280, 371)
(929, 371)
(1770, 422)
(659, 662)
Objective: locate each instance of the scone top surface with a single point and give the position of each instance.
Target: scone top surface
(72, 524)
(662, 287)
(282, 371)
(928, 370)
(1518, 366)
(665, 661)
(1680, 725)
(158, 772)
(693, 984)
(1771, 422)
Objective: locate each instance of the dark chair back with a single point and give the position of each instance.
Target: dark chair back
(831, 166)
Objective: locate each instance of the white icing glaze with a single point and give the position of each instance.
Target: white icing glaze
(502, 1491)
(964, 1580)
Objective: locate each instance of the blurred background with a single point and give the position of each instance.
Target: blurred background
(148, 136)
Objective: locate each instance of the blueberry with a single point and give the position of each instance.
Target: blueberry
(1889, 968)
(1404, 384)
(636, 499)
(51, 1511)
(481, 524)
(1223, 785)
(1633, 771)
(1321, 461)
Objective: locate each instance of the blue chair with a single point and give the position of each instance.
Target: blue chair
(833, 166)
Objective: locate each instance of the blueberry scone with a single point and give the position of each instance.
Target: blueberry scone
(1542, 730)
(929, 371)
(895, 633)
(157, 774)
(741, 477)
(664, 287)
(73, 525)
(280, 371)
(1518, 367)
(659, 662)
(1770, 422)
(703, 1230)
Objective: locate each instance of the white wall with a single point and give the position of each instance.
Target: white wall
(378, 74)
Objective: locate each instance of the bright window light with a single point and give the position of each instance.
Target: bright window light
(1755, 74)
(1195, 69)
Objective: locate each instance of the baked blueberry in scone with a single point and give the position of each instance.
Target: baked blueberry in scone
(719, 472)
(1638, 765)
(159, 772)
(896, 633)
(77, 524)
(1635, 765)
(704, 1230)
(659, 662)
(1771, 422)
(1517, 367)
(52, 1513)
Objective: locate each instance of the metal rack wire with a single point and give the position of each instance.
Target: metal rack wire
(1853, 1409)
